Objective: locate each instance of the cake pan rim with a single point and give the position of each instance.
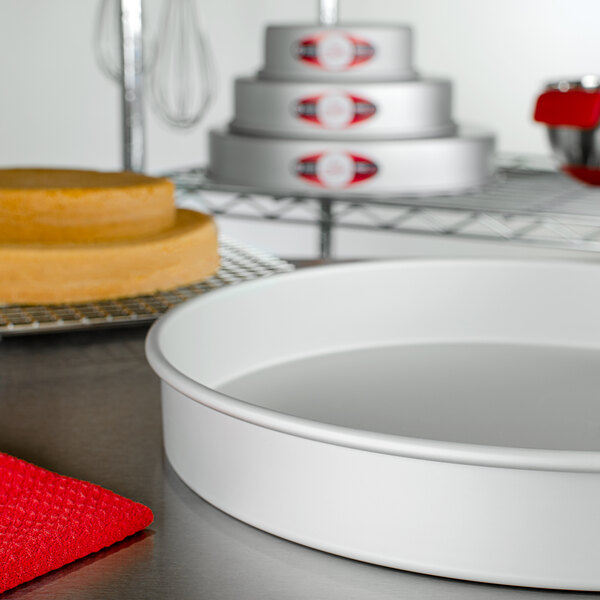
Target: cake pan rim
(403, 446)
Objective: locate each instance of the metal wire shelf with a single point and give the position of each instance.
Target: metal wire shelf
(525, 204)
(238, 263)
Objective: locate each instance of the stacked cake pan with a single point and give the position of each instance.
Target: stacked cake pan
(341, 110)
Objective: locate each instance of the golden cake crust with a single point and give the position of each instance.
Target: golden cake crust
(57, 273)
(59, 205)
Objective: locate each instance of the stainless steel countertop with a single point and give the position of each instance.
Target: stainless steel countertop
(87, 405)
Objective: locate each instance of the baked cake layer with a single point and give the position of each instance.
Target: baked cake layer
(58, 206)
(57, 273)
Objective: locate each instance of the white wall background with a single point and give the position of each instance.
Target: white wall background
(56, 108)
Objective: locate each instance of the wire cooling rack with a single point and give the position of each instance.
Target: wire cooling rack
(526, 203)
(238, 263)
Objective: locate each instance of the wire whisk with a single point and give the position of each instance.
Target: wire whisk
(178, 61)
(182, 78)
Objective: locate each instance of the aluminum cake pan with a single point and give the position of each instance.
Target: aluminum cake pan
(434, 416)
(322, 110)
(426, 166)
(350, 52)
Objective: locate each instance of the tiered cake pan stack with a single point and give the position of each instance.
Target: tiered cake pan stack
(342, 110)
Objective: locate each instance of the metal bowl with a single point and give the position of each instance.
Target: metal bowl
(571, 112)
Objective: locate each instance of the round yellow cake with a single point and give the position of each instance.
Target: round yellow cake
(59, 206)
(55, 272)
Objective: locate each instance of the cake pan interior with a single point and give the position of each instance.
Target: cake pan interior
(488, 367)
(498, 394)
(475, 352)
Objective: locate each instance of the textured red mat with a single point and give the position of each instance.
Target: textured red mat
(48, 520)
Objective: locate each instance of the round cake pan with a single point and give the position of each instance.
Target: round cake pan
(394, 110)
(434, 416)
(393, 167)
(348, 53)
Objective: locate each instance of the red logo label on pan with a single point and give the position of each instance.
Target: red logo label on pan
(335, 111)
(334, 51)
(335, 169)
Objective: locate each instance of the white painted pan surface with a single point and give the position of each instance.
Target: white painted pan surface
(435, 416)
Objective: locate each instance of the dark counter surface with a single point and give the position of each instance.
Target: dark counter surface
(88, 405)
